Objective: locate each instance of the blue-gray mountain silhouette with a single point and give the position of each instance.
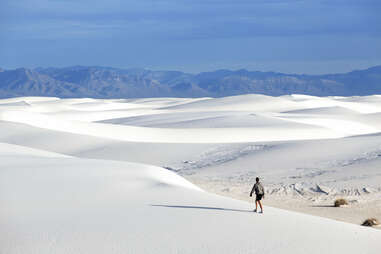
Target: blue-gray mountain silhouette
(107, 82)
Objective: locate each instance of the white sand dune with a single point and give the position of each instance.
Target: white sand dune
(15, 150)
(251, 102)
(174, 135)
(333, 110)
(366, 104)
(69, 205)
(68, 184)
(218, 119)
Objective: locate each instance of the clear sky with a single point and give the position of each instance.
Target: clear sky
(308, 36)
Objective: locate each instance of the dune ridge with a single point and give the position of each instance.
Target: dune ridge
(135, 175)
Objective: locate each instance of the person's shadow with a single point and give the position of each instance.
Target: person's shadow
(322, 206)
(203, 207)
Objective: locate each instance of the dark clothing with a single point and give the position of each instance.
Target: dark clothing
(258, 189)
(258, 197)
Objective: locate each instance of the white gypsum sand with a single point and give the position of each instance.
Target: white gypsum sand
(67, 183)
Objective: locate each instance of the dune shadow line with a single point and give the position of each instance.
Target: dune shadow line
(203, 207)
(321, 206)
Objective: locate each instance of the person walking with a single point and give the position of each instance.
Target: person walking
(259, 194)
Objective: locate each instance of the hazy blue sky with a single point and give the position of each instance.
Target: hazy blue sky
(192, 35)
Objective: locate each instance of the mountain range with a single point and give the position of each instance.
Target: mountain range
(107, 82)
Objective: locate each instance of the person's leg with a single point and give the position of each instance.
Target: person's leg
(260, 205)
(256, 205)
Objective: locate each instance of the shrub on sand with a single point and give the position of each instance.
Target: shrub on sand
(339, 202)
(371, 222)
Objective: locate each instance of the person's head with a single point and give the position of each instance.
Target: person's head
(257, 179)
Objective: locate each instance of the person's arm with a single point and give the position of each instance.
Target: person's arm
(252, 190)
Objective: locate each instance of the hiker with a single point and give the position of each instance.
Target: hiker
(259, 194)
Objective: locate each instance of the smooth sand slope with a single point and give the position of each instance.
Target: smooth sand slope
(67, 183)
(69, 205)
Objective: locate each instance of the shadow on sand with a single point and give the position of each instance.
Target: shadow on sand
(204, 207)
(323, 206)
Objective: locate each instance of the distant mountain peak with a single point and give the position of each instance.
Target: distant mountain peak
(109, 82)
(376, 68)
